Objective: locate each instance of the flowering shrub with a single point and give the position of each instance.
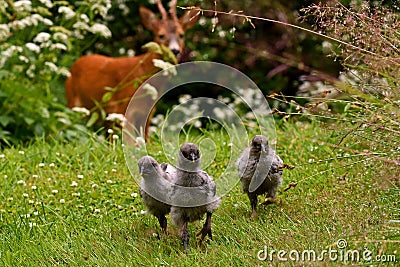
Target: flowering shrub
(38, 39)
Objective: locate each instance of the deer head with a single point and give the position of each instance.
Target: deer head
(169, 30)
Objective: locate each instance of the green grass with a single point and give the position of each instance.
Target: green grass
(339, 195)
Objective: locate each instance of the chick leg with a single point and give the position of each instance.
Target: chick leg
(183, 232)
(206, 230)
(163, 223)
(253, 203)
(271, 199)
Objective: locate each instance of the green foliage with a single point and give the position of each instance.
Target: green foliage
(38, 41)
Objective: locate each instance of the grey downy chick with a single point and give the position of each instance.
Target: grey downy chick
(260, 171)
(155, 189)
(194, 194)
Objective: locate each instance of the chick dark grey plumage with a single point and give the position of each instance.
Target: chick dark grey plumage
(260, 171)
(155, 189)
(194, 194)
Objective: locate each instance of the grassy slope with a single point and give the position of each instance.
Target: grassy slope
(350, 198)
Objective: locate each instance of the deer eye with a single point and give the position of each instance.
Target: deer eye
(161, 36)
(181, 35)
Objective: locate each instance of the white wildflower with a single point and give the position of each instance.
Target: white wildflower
(115, 136)
(197, 124)
(134, 195)
(64, 72)
(62, 201)
(101, 8)
(113, 170)
(31, 71)
(21, 152)
(32, 224)
(122, 51)
(117, 117)
(168, 67)
(35, 176)
(47, 22)
(150, 90)
(58, 46)
(80, 26)
(100, 29)
(36, 213)
(184, 98)
(4, 32)
(23, 5)
(54, 191)
(68, 12)
(52, 164)
(47, 3)
(130, 53)
(140, 140)
(60, 37)
(96, 211)
(219, 113)
(143, 212)
(33, 47)
(41, 164)
(95, 185)
(21, 182)
(80, 176)
(42, 37)
(2, 156)
(34, 187)
(202, 21)
(25, 195)
(31, 201)
(110, 131)
(84, 18)
(81, 110)
(76, 194)
(74, 184)
(109, 181)
(10, 199)
(51, 66)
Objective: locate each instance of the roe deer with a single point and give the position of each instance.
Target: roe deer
(91, 75)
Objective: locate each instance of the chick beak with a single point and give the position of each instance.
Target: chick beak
(141, 169)
(263, 148)
(192, 156)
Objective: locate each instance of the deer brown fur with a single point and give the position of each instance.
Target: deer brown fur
(91, 75)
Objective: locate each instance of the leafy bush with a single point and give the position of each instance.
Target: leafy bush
(38, 40)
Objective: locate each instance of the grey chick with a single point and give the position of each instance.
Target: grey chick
(260, 171)
(194, 194)
(155, 189)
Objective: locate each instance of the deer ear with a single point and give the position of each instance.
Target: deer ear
(149, 19)
(190, 18)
